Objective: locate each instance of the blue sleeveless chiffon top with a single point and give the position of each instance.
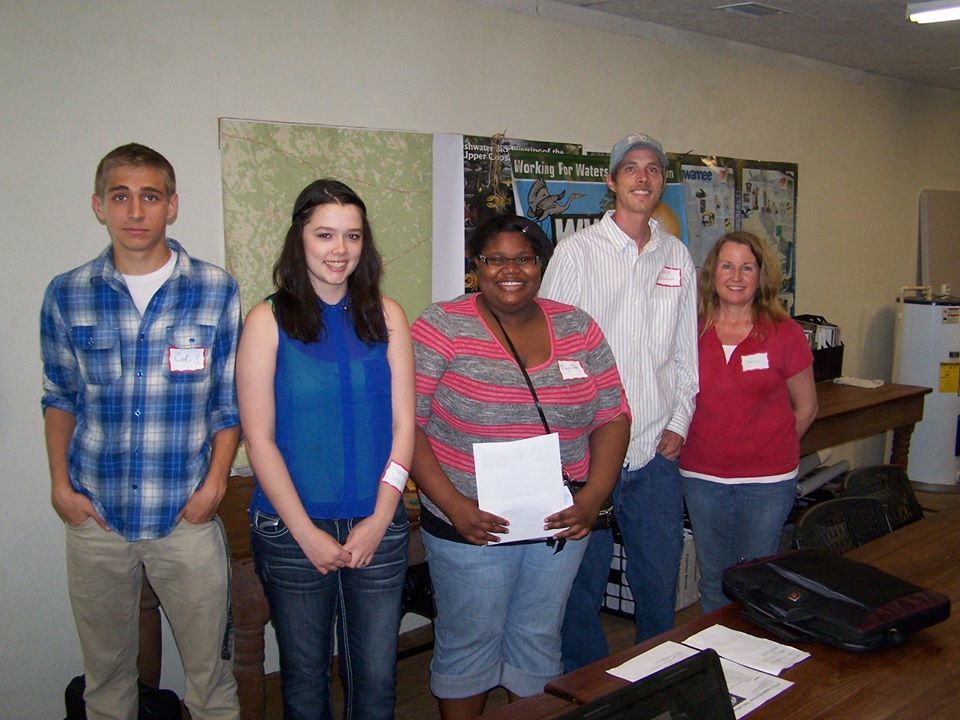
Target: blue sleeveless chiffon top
(334, 418)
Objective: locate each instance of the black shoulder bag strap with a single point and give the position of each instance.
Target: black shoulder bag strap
(526, 376)
(605, 518)
(543, 418)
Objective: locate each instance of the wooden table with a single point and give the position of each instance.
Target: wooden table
(851, 413)
(917, 680)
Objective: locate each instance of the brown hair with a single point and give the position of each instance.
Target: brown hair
(296, 300)
(137, 155)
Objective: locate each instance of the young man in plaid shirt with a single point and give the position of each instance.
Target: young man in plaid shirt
(141, 424)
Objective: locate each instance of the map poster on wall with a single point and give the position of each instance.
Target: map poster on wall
(768, 209)
(265, 165)
(561, 193)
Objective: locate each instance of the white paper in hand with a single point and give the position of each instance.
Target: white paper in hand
(521, 481)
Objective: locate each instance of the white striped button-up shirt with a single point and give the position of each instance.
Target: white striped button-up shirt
(646, 305)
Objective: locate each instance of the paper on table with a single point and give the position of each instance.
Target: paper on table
(663, 655)
(758, 653)
(521, 481)
(749, 688)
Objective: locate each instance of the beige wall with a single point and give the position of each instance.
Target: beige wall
(81, 78)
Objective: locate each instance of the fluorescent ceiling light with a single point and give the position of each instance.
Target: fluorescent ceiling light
(751, 9)
(933, 12)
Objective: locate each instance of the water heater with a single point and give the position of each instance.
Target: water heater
(928, 351)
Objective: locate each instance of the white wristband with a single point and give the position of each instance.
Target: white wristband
(395, 476)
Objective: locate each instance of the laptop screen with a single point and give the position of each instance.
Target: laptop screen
(692, 689)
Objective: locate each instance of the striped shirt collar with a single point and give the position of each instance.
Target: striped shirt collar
(621, 240)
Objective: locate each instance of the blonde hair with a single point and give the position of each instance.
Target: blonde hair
(767, 309)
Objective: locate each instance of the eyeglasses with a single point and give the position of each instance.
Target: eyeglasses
(499, 261)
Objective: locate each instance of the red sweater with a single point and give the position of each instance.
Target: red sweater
(743, 425)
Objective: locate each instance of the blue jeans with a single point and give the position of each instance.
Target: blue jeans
(649, 509)
(306, 605)
(499, 611)
(582, 634)
(733, 523)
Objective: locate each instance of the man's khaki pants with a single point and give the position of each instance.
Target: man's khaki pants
(188, 571)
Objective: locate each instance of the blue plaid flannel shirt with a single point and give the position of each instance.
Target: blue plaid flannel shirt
(142, 442)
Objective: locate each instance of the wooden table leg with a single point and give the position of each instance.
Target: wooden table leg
(900, 448)
(250, 614)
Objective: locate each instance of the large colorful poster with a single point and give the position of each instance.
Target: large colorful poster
(768, 203)
(488, 180)
(564, 190)
(709, 202)
(722, 195)
(562, 193)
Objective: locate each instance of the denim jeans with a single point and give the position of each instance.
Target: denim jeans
(499, 611)
(582, 634)
(649, 509)
(305, 606)
(733, 523)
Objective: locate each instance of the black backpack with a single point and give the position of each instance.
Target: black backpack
(154, 704)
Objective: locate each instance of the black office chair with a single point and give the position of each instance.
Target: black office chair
(842, 524)
(890, 485)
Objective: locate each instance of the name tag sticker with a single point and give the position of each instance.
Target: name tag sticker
(757, 361)
(571, 369)
(187, 359)
(669, 276)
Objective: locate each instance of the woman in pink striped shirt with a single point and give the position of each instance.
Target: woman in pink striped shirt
(500, 605)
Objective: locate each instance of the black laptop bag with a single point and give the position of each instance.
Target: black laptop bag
(812, 595)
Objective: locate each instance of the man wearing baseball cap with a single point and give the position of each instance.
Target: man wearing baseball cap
(639, 284)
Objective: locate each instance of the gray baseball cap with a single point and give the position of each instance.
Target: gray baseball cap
(635, 140)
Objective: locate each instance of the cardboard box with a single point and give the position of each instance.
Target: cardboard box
(688, 590)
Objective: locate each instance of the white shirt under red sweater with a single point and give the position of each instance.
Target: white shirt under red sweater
(743, 428)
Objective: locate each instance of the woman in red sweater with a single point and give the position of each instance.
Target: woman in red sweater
(757, 399)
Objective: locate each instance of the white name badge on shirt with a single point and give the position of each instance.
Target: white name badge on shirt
(757, 361)
(187, 359)
(571, 369)
(669, 276)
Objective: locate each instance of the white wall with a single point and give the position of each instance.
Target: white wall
(81, 78)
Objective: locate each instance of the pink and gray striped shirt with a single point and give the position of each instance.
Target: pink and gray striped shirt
(470, 389)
